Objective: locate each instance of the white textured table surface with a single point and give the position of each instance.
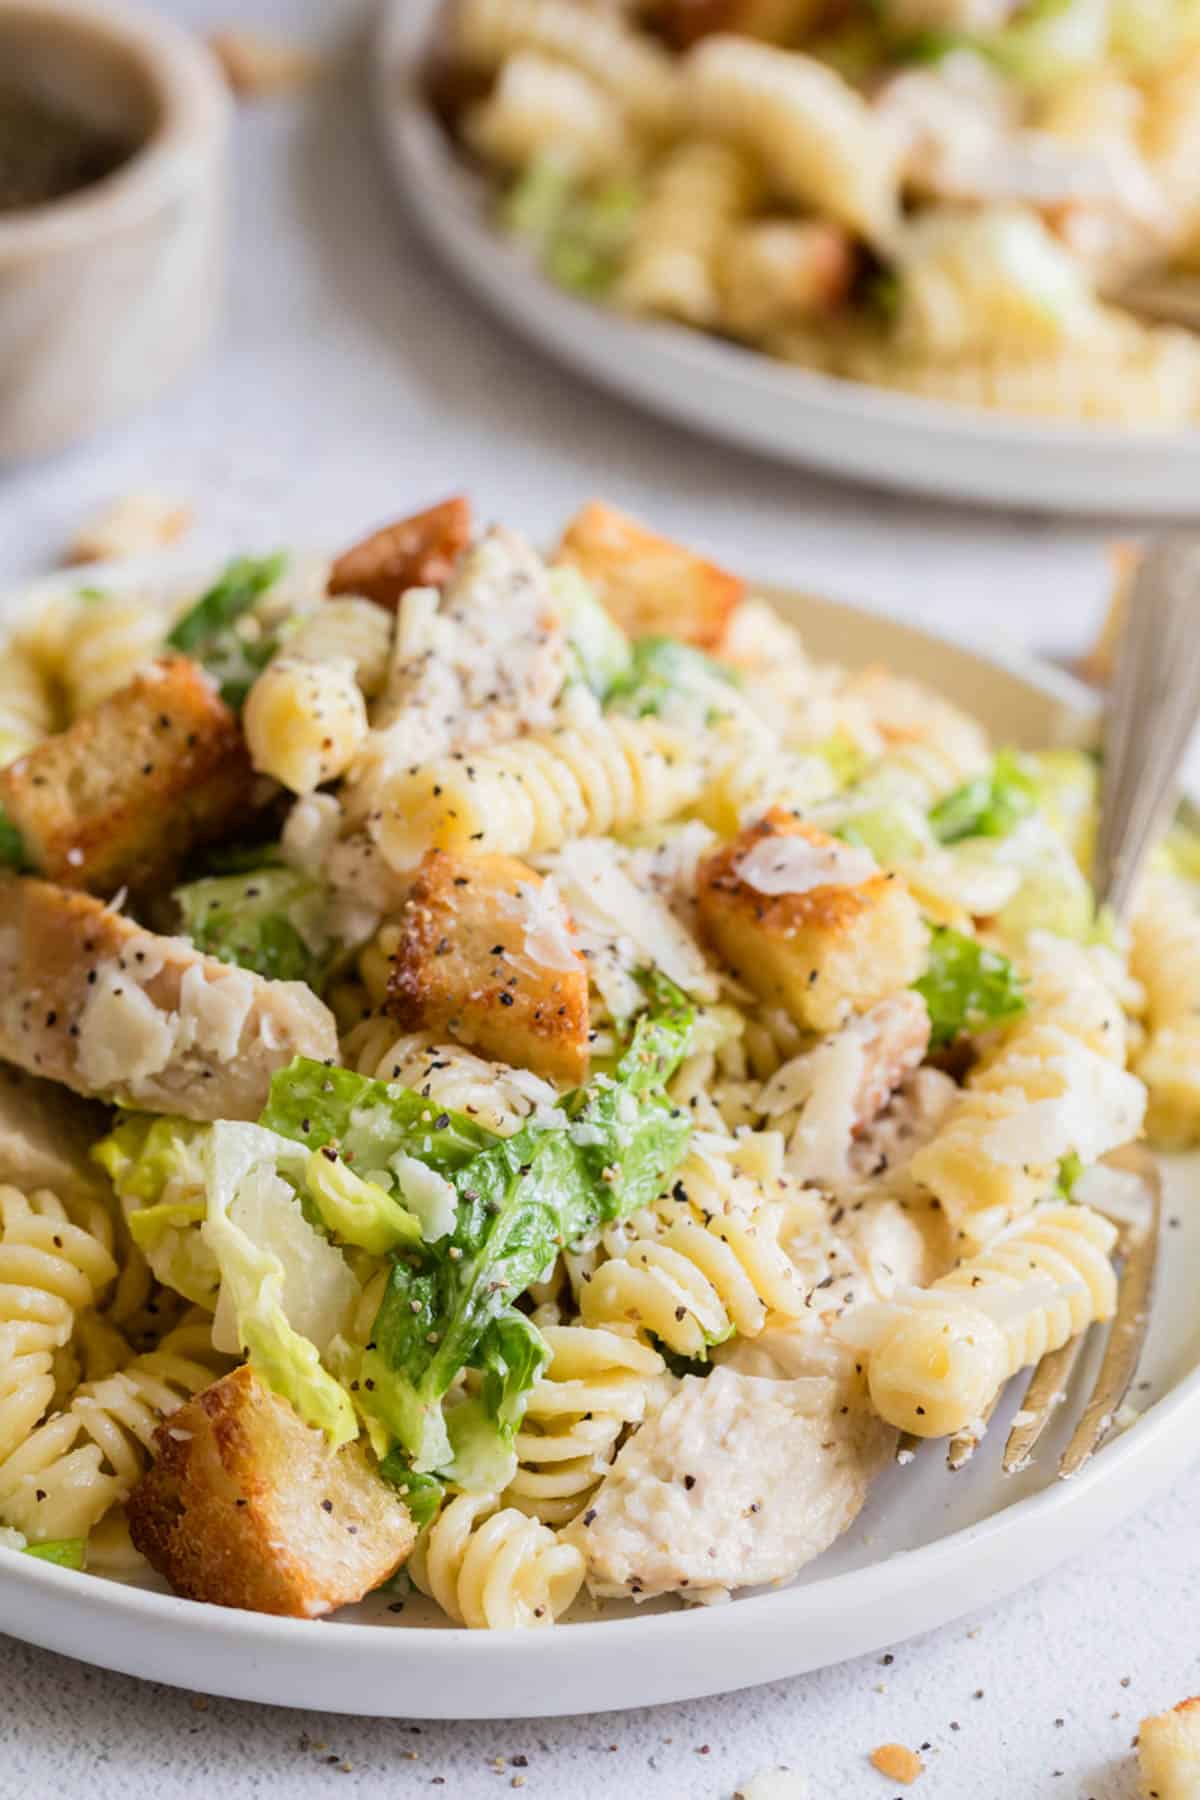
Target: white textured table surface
(353, 381)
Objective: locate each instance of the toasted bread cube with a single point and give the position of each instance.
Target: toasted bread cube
(246, 1505)
(1169, 1753)
(484, 953)
(420, 551)
(822, 953)
(118, 798)
(90, 999)
(651, 586)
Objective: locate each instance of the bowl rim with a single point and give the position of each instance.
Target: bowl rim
(195, 112)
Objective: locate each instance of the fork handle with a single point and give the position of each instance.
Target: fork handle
(1152, 709)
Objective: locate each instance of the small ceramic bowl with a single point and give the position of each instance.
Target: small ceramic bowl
(108, 292)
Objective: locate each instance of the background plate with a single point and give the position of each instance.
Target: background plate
(745, 397)
(928, 1547)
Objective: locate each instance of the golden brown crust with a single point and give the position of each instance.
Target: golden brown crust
(247, 1506)
(420, 551)
(650, 585)
(462, 967)
(820, 954)
(118, 798)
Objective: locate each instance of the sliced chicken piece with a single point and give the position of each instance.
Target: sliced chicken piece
(90, 999)
(910, 1119)
(739, 1480)
(485, 663)
(45, 1136)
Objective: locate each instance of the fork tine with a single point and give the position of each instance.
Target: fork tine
(1046, 1390)
(1128, 1329)
(964, 1444)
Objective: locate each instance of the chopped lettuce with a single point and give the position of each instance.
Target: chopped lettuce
(270, 920)
(891, 833)
(214, 630)
(66, 1553)
(579, 237)
(422, 1494)
(674, 681)
(1070, 1168)
(357, 1211)
(599, 647)
(156, 1168)
(275, 1268)
(450, 1306)
(989, 805)
(966, 986)
(370, 1122)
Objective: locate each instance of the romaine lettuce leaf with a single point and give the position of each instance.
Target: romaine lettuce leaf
(990, 805)
(270, 920)
(600, 648)
(358, 1212)
(422, 1494)
(156, 1168)
(369, 1121)
(209, 632)
(66, 1553)
(274, 1270)
(966, 986)
(673, 681)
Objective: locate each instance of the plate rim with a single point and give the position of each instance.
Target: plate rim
(593, 337)
(1160, 1442)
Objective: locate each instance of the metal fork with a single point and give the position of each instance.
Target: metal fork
(1151, 711)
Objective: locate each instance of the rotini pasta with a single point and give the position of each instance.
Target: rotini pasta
(696, 193)
(1165, 958)
(26, 704)
(534, 794)
(543, 107)
(938, 1356)
(305, 721)
(596, 1384)
(491, 1567)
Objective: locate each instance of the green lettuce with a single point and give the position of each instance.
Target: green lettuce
(990, 805)
(369, 1122)
(209, 630)
(156, 1168)
(966, 986)
(599, 647)
(13, 854)
(578, 237)
(451, 1306)
(355, 1210)
(270, 920)
(675, 681)
(66, 1553)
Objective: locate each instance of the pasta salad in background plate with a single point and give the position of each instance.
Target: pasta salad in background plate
(943, 198)
(513, 1073)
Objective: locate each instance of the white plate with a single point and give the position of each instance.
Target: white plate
(747, 398)
(928, 1547)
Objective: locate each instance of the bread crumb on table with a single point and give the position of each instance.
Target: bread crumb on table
(258, 65)
(130, 526)
(897, 1762)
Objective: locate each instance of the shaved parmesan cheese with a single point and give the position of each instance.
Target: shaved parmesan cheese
(123, 1037)
(427, 1194)
(1100, 1106)
(606, 904)
(319, 1292)
(549, 939)
(310, 833)
(791, 865)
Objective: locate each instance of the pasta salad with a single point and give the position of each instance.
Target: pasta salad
(944, 197)
(517, 1079)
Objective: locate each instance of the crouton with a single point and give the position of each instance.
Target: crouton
(651, 586)
(822, 951)
(247, 1506)
(1169, 1753)
(90, 999)
(420, 551)
(485, 953)
(118, 798)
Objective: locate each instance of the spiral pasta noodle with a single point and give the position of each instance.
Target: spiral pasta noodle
(493, 1568)
(693, 1281)
(696, 193)
(51, 1269)
(536, 792)
(944, 1352)
(541, 107)
(637, 72)
(81, 1462)
(595, 1385)
(496, 1096)
(110, 638)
